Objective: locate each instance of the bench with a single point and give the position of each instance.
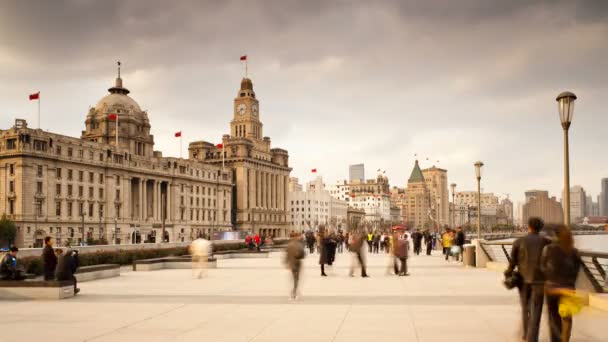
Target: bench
(88, 273)
(36, 289)
(179, 262)
(242, 254)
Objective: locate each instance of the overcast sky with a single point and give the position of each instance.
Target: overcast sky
(339, 82)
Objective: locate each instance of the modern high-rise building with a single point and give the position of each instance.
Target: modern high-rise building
(604, 198)
(260, 172)
(578, 207)
(356, 172)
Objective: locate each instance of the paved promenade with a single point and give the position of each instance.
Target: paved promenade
(246, 300)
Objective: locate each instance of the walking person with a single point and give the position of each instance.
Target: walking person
(376, 242)
(526, 257)
(459, 242)
(310, 241)
(560, 264)
(447, 241)
(370, 240)
(428, 242)
(401, 252)
(293, 259)
(417, 238)
(325, 248)
(49, 259)
(200, 250)
(357, 248)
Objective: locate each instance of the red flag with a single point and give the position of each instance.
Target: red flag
(219, 145)
(35, 96)
(112, 117)
(178, 134)
(244, 57)
(313, 170)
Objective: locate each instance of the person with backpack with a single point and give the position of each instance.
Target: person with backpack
(67, 265)
(8, 266)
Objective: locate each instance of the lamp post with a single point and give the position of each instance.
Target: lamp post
(453, 187)
(478, 167)
(565, 105)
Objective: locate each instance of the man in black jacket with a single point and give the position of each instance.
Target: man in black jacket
(49, 259)
(460, 239)
(526, 257)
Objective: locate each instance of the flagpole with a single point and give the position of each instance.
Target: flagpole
(38, 110)
(116, 133)
(246, 70)
(223, 156)
(180, 145)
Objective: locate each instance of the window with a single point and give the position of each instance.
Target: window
(118, 211)
(118, 195)
(70, 152)
(91, 192)
(91, 177)
(11, 169)
(58, 173)
(58, 208)
(70, 174)
(69, 189)
(11, 206)
(11, 186)
(58, 190)
(80, 154)
(38, 208)
(91, 155)
(39, 187)
(11, 144)
(90, 209)
(80, 209)
(100, 193)
(117, 180)
(101, 157)
(58, 150)
(39, 172)
(80, 191)
(69, 209)
(80, 176)
(101, 178)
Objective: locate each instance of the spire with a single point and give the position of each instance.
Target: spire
(416, 175)
(118, 88)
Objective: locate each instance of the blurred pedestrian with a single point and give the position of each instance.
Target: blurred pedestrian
(376, 242)
(401, 252)
(293, 258)
(459, 241)
(446, 241)
(526, 257)
(358, 248)
(560, 264)
(200, 250)
(67, 265)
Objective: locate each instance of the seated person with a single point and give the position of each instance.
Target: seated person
(67, 265)
(8, 266)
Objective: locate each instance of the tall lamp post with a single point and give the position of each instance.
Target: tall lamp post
(453, 187)
(565, 105)
(478, 167)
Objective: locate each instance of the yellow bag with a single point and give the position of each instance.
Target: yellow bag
(570, 304)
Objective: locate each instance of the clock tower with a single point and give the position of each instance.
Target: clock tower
(246, 121)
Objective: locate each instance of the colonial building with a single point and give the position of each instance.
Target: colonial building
(419, 212)
(90, 188)
(260, 174)
(371, 196)
(437, 183)
(315, 206)
(539, 204)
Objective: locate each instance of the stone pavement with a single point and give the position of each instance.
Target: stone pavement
(246, 300)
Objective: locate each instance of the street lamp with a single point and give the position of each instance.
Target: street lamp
(453, 187)
(565, 105)
(478, 167)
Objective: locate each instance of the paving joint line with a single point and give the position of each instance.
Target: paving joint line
(342, 323)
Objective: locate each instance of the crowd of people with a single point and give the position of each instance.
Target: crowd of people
(544, 269)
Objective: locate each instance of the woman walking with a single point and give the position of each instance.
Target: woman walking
(560, 264)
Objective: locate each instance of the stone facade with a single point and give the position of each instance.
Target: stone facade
(315, 206)
(437, 183)
(419, 212)
(260, 173)
(538, 204)
(90, 189)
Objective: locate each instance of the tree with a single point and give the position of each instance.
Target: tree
(8, 230)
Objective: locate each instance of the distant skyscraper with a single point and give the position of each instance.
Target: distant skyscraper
(604, 198)
(356, 172)
(577, 203)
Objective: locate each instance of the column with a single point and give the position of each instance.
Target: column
(285, 192)
(141, 199)
(154, 199)
(145, 199)
(267, 192)
(258, 189)
(169, 203)
(271, 190)
(263, 190)
(252, 189)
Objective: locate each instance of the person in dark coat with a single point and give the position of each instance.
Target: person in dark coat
(8, 266)
(560, 264)
(459, 241)
(358, 248)
(417, 238)
(49, 259)
(67, 265)
(327, 250)
(526, 257)
(428, 241)
(331, 248)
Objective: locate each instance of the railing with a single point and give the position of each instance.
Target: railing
(595, 264)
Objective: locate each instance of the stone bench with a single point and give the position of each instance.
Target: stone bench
(36, 289)
(88, 273)
(181, 262)
(243, 254)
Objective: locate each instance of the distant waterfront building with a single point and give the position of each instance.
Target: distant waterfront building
(578, 207)
(418, 196)
(372, 196)
(603, 200)
(315, 206)
(356, 172)
(437, 184)
(540, 205)
(294, 185)
(89, 188)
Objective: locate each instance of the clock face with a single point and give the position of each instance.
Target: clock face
(241, 109)
(254, 109)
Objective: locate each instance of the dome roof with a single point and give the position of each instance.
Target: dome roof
(117, 101)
